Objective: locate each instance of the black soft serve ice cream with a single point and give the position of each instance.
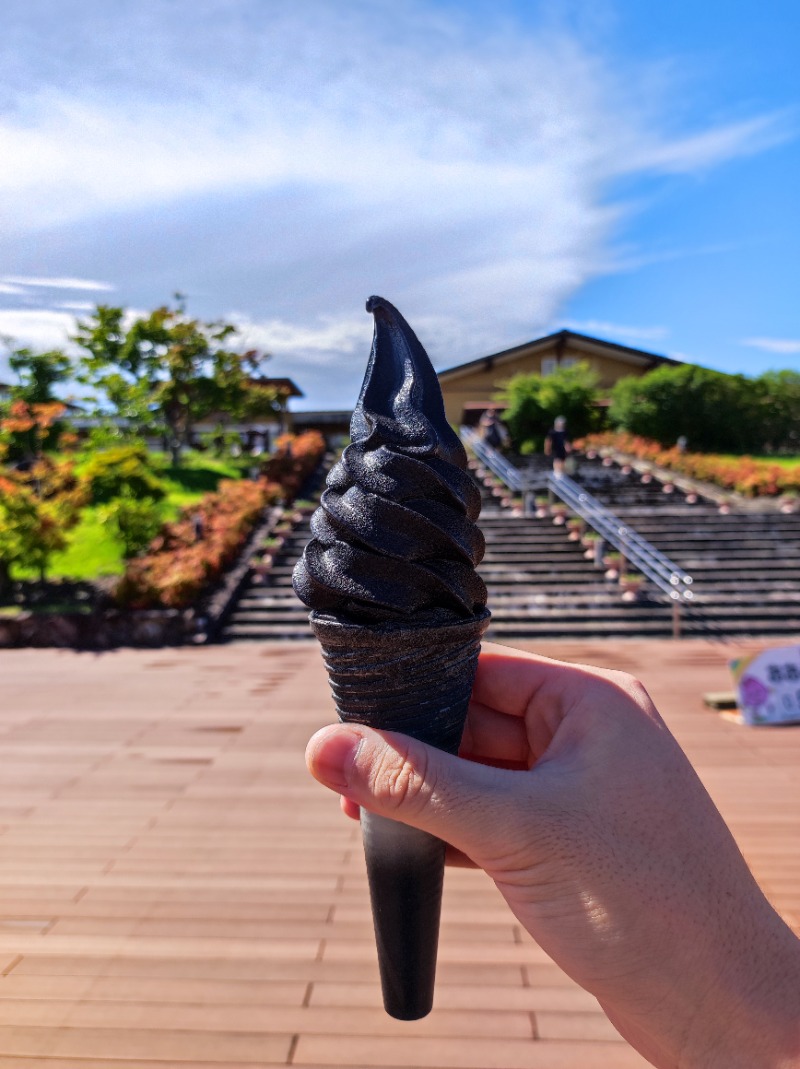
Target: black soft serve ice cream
(395, 535)
(399, 612)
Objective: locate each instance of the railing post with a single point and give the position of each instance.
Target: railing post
(599, 551)
(676, 619)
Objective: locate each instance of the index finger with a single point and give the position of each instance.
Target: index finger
(519, 683)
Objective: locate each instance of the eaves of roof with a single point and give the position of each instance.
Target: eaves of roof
(625, 352)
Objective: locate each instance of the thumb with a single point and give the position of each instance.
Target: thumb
(459, 801)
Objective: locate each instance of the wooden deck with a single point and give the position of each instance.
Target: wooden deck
(176, 891)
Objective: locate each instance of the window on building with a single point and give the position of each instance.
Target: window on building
(569, 361)
(549, 365)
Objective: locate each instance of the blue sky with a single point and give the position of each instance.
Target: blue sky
(497, 170)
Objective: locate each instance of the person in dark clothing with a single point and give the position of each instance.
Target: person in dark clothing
(557, 445)
(492, 431)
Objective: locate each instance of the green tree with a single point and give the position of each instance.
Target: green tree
(137, 520)
(164, 371)
(524, 416)
(123, 471)
(30, 425)
(534, 401)
(780, 409)
(714, 411)
(37, 375)
(37, 508)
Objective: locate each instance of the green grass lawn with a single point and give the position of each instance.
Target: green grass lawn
(783, 461)
(93, 552)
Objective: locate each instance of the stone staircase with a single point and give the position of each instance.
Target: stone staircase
(271, 610)
(745, 565)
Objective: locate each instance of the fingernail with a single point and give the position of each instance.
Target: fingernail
(331, 753)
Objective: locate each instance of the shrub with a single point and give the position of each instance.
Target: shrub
(533, 402)
(122, 471)
(179, 565)
(36, 509)
(294, 459)
(712, 410)
(754, 478)
(137, 520)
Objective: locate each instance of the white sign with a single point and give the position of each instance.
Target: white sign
(768, 686)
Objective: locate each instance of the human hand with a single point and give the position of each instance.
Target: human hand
(579, 803)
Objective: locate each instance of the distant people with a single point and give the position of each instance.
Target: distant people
(557, 445)
(682, 443)
(492, 431)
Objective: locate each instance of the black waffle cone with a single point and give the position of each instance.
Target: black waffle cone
(400, 677)
(418, 681)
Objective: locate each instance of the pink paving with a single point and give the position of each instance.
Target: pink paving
(176, 891)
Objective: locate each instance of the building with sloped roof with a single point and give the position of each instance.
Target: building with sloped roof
(257, 432)
(468, 389)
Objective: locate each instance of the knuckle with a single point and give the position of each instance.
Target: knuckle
(400, 782)
(631, 687)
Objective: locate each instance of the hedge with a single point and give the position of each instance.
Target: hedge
(745, 475)
(191, 554)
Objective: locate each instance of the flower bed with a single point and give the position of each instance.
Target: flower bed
(295, 458)
(191, 554)
(753, 478)
(195, 550)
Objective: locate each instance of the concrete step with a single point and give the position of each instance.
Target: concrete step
(268, 631)
(253, 615)
(746, 567)
(639, 629)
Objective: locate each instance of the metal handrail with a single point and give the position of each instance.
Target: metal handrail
(651, 562)
(671, 579)
(496, 462)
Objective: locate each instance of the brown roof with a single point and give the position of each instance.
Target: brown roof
(287, 386)
(636, 356)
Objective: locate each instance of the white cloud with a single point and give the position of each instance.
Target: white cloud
(23, 281)
(784, 346)
(75, 306)
(461, 168)
(303, 344)
(708, 148)
(389, 113)
(39, 328)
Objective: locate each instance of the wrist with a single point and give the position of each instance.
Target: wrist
(751, 1016)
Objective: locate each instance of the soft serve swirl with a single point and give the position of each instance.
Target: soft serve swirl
(395, 532)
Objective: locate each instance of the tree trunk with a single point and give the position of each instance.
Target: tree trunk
(5, 577)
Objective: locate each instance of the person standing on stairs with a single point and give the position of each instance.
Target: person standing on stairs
(492, 431)
(557, 445)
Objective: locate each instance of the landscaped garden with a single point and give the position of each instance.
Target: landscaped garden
(752, 476)
(142, 531)
(741, 434)
(95, 547)
(91, 515)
